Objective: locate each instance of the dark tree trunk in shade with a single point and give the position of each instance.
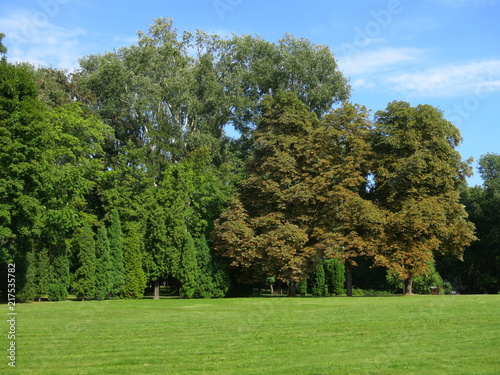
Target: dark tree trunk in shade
(348, 279)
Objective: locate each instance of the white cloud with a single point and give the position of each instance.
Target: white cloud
(377, 61)
(363, 83)
(31, 37)
(449, 80)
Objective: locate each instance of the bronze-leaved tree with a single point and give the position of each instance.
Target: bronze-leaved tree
(418, 172)
(348, 224)
(267, 232)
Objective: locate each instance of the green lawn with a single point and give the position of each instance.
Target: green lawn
(360, 335)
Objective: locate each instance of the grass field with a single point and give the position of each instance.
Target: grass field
(360, 335)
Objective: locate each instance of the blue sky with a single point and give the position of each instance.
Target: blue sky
(440, 52)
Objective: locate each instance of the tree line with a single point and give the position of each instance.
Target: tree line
(120, 176)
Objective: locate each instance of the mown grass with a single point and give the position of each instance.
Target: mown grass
(360, 335)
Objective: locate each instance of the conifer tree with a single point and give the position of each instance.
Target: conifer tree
(205, 284)
(43, 274)
(302, 287)
(157, 247)
(104, 264)
(189, 273)
(115, 236)
(335, 276)
(59, 280)
(318, 281)
(135, 279)
(25, 286)
(83, 245)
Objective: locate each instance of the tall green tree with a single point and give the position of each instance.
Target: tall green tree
(189, 273)
(51, 158)
(84, 247)
(116, 254)
(135, 280)
(479, 272)
(418, 172)
(23, 142)
(318, 281)
(335, 276)
(104, 264)
(43, 273)
(157, 246)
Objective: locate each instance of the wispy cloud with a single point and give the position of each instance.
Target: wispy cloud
(400, 70)
(40, 43)
(449, 80)
(377, 61)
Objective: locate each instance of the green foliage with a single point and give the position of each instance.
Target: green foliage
(135, 279)
(421, 284)
(418, 172)
(3, 49)
(266, 229)
(59, 271)
(189, 272)
(318, 281)
(205, 283)
(43, 272)
(25, 286)
(335, 276)
(213, 278)
(480, 270)
(157, 244)
(302, 287)
(84, 246)
(104, 264)
(141, 130)
(116, 254)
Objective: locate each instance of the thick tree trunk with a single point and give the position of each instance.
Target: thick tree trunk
(348, 279)
(156, 294)
(408, 285)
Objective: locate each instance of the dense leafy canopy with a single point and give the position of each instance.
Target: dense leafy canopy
(119, 179)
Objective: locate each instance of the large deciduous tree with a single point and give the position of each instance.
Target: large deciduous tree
(271, 232)
(348, 223)
(50, 158)
(418, 172)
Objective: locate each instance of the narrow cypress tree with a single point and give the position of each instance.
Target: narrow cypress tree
(42, 274)
(25, 286)
(318, 282)
(338, 280)
(83, 243)
(205, 285)
(189, 269)
(302, 287)
(116, 254)
(135, 279)
(59, 275)
(104, 264)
